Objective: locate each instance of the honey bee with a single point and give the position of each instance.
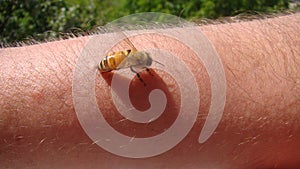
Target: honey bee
(131, 58)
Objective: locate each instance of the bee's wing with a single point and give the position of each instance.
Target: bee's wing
(129, 42)
(129, 60)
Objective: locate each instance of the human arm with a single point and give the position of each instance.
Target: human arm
(260, 124)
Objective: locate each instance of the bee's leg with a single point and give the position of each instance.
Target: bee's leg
(138, 75)
(148, 70)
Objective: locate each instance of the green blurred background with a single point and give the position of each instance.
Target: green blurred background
(39, 19)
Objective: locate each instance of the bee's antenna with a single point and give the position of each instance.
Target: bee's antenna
(158, 62)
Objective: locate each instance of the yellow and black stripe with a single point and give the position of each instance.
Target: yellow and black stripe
(112, 61)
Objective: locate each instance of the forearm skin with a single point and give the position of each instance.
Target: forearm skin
(260, 127)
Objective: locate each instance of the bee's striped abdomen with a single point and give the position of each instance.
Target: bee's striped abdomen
(112, 61)
(103, 65)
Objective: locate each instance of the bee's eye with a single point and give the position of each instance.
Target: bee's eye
(149, 61)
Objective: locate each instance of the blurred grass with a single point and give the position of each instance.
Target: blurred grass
(39, 20)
